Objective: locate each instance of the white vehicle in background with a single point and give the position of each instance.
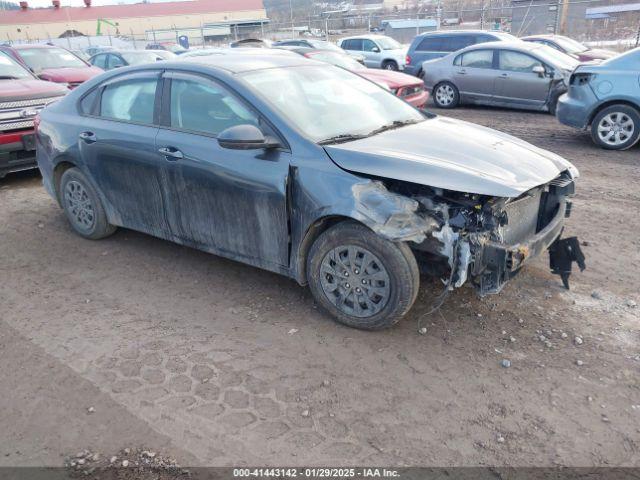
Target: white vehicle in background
(379, 51)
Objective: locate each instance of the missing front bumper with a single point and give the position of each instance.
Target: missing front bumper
(496, 263)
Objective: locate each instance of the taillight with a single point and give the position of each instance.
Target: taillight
(407, 60)
(580, 79)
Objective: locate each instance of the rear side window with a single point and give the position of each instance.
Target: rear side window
(100, 61)
(458, 42)
(206, 107)
(477, 59)
(517, 62)
(432, 44)
(130, 100)
(88, 103)
(353, 44)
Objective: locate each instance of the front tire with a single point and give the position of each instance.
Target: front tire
(446, 95)
(616, 127)
(82, 206)
(361, 279)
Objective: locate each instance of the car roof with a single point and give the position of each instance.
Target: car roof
(372, 36)
(22, 46)
(470, 32)
(508, 45)
(246, 62)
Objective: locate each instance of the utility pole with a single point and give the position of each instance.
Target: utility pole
(562, 23)
(638, 36)
(291, 15)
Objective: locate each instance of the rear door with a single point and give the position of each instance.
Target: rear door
(353, 45)
(475, 76)
(117, 145)
(517, 84)
(232, 202)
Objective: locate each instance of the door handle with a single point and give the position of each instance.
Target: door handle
(504, 75)
(462, 72)
(171, 153)
(88, 137)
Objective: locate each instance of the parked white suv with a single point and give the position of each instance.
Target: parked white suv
(379, 51)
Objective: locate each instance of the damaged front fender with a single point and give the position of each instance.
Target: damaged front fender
(391, 215)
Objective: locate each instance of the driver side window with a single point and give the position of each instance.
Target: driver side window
(205, 107)
(368, 45)
(517, 62)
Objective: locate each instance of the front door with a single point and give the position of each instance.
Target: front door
(518, 85)
(117, 144)
(474, 75)
(372, 54)
(231, 202)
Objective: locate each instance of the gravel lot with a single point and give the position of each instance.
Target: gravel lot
(212, 362)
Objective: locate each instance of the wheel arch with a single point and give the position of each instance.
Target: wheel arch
(62, 165)
(609, 103)
(311, 235)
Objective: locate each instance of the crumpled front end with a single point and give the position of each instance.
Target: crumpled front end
(487, 240)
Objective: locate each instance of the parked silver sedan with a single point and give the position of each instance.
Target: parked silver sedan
(507, 74)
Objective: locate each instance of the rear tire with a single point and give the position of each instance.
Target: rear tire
(361, 279)
(446, 95)
(390, 65)
(616, 127)
(82, 206)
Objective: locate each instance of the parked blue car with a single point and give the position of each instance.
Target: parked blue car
(430, 45)
(606, 98)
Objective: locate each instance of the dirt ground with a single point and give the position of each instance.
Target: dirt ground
(136, 342)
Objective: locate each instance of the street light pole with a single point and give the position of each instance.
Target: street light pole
(291, 15)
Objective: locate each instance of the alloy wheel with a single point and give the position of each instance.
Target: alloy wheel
(445, 95)
(616, 128)
(79, 205)
(355, 281)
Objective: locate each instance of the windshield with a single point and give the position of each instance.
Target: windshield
(325, 102)
(569, 45)
(139, 58)
(40, 59)
(556, 58)
(388, 43)
(322, 45)
(10, 69)
(337, 59)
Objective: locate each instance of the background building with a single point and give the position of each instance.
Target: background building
(158, 21)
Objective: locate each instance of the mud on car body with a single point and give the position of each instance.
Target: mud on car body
(332, 181)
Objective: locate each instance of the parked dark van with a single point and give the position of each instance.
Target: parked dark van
(430, 45)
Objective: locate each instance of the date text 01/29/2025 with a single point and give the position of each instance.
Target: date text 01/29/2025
(315, 472)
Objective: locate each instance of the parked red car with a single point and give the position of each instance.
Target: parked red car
(22, 96)
(407, 87)
(571, 47)
(53, 64)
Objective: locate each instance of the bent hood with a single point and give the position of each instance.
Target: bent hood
(69, 75)
(453, 155)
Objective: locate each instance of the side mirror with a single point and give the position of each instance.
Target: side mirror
(539, 70)
(375, 50)
(245, 137)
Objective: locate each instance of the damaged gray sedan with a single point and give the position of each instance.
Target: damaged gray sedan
(306, 170)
